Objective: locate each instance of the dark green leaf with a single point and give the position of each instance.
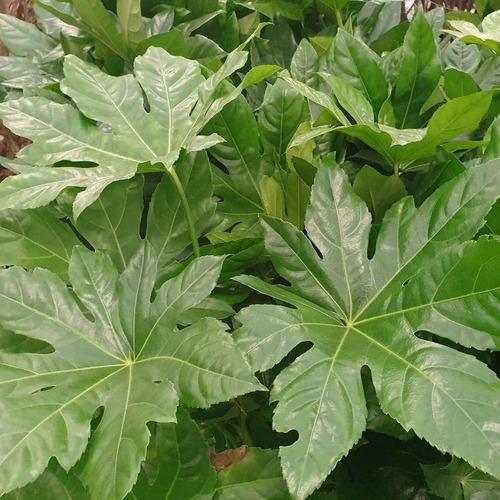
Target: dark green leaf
(182, 458)
(257, 477)
(378, 191)
(359, 66)
(419, 73)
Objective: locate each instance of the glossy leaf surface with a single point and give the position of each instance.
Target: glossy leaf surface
(359, 312)
(132, 360)
(180, 99)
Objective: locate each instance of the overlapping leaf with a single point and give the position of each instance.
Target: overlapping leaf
(180, 101)
(130, 359)
(360, 312)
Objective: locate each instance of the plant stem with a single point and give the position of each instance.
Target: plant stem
(243, 430)
(187, 209)
(338, 16)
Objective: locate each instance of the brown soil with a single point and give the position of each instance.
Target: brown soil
(10, 143)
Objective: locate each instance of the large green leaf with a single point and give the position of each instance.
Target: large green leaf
(35, 238)
(361, 312)
(418, 74)
(131, 360)
(180, 101)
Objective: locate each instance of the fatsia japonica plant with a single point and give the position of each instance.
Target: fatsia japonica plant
(251, 252)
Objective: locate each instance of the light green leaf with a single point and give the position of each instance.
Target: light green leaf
(182, 458)
(101, 24)
(458, 84)
(359, 312)
(419, 72)
(259, 73)
(288, 9)
(132, 360)
(488, 37)
(454, 118)
(359, 66)
(130, 19)
(131, 135)
(305, 64)
(257, 477)
(272, 197)
(352, 100)
(35, 238)
(318, 97)
(24, 39)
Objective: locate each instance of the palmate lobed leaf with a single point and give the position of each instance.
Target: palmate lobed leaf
(121, 133)
(360, 312)
(131, 359)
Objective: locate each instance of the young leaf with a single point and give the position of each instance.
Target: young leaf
(132, 360)
(359, 312)
(419, 72)
(101, 24)
(130, 19)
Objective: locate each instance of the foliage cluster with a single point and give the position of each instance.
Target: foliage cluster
(272, 224)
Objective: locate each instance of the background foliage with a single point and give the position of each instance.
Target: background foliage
(251, 251)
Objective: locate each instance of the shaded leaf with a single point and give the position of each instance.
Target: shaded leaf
(258, 476)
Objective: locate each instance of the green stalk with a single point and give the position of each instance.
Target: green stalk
(187, 209)
(338, 15)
